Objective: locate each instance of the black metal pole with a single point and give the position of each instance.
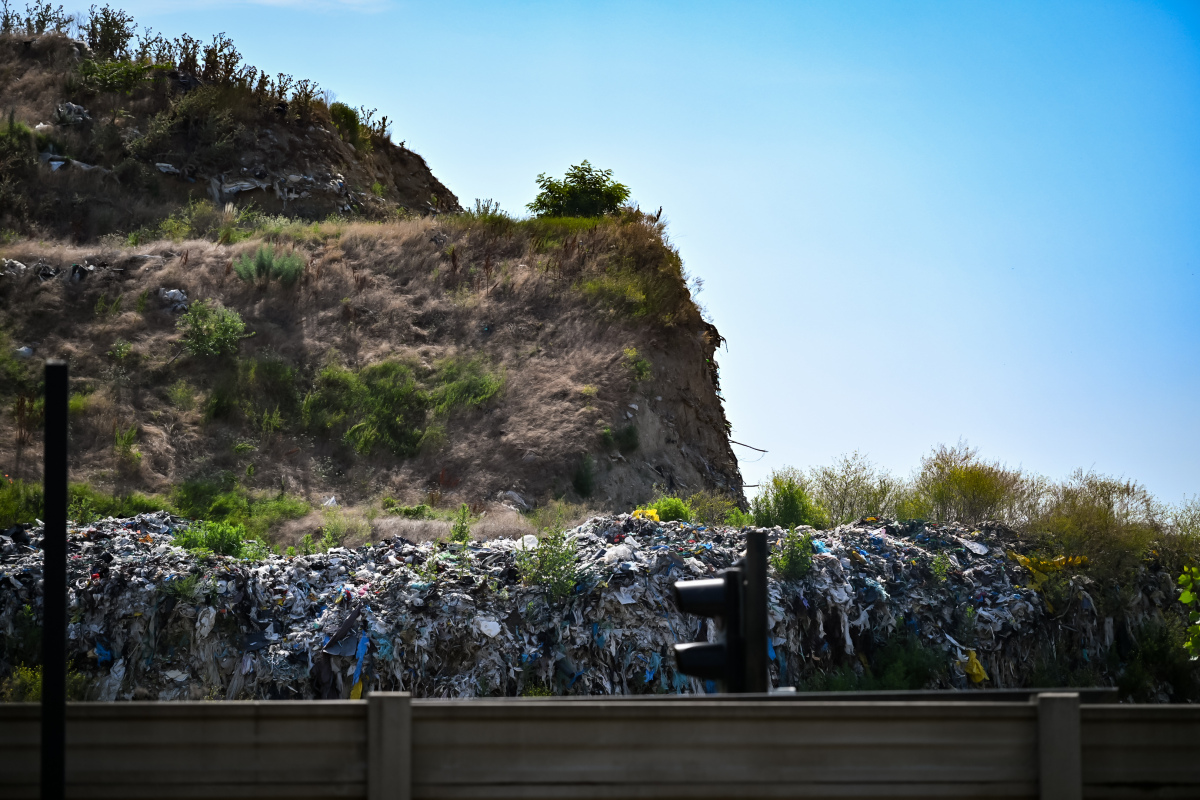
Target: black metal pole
(54, 586)
(754, 612)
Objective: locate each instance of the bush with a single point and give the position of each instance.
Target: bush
(381, 405)
(625, 439)
(220, 499)
(265, 264)
(956, 485)
(464, 383)
(222, 538)
(710, 508)
(345, 119)
(584, 192)
(792, 558)
(24, 685)
(672, 509)
(736, 518)
(19, 502)
(460, 528)
(551, 564)
(421, 511)
(584, 479)
(784, 501)
(852, 488)
(638, 367)
(1158, 662)
(210, 330)
(901, 663)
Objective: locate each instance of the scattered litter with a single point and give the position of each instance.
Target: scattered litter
(167, 169)
(150, 620)
(11, 268)
(69, 114)
(331, 503)
(24, 352)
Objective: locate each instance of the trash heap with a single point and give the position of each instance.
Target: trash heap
(149, 620)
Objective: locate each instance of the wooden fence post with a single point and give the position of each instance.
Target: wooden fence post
(1060, 770)
(389, 746)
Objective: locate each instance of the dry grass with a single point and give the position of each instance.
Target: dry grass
(372, 291)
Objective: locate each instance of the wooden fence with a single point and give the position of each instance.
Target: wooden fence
(390, 747)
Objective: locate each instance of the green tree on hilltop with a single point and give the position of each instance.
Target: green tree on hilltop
(584, 192)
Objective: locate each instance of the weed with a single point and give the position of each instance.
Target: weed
(588, 393)
(460, 529)
(551, 564)
(464, 383)
(638, 367)
(377, 189)
(222, 538)
(941, 567)
(584, 192)
(120, 350)
(584, 479)
(19, 502)
(24, 685)
(306, 547)
(220, 499)
(381, 405)
(784, 500)
(241, 448)
(346, 120)
(78, 403)
(625, 439)
(792, 558)
(210, 330)
(108, 308)
(421, 511)
(182, 395)
(127, 455)
(339, 526)
(142, 300)
(267, 264)
(182, 587)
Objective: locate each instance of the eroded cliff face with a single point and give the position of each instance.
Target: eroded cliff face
(593, 376)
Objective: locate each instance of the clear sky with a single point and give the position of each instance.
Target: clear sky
(916, 222)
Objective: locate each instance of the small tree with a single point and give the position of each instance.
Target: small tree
(785, 501)
(211, 330)
(584, 192)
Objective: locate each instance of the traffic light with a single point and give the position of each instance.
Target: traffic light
(738, 598)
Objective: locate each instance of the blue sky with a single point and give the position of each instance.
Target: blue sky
(916, 222)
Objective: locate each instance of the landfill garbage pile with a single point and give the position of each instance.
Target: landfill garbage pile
(150, 620)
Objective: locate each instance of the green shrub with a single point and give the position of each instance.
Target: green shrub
(19, 502)
(380, 405)
(710, 508)
(792, 558)
(956, 485)
(901, 663)
(464, 383)
(625, 439)
(266, 264)
(220, 499)
(672, 509)
(784, 501)
(123, 446)
(638, 366)
(460, 529)
(551, 564)
(852, 488)
(182, 395)
(24, 685)
(345, 119)
(584, 192)
(210, 330)
(421, 511)
(736, 518)
(584, 480)
(222, 538)
(1189, 584)
(1159, 662)
(941, 567)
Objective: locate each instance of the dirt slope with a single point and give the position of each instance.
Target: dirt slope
(374, 293)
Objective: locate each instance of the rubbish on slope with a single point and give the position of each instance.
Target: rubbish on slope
(151, 620)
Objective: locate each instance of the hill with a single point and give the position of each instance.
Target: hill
(395, 353)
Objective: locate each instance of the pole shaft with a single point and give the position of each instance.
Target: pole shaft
(54, 586)
(754, 612)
